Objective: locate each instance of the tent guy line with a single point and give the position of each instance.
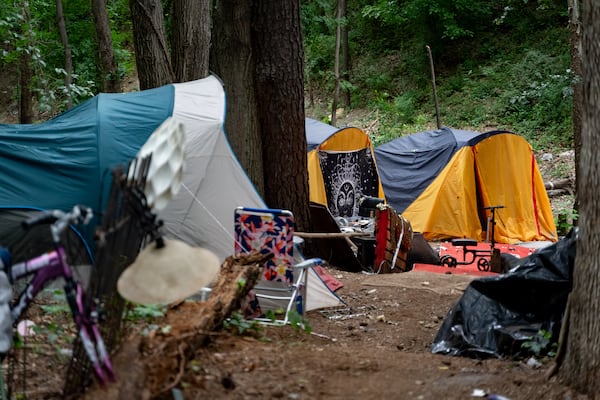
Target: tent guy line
(210, 214)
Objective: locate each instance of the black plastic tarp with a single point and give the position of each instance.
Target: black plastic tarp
(497, 315)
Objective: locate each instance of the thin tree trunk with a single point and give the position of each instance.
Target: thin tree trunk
(111, 81)
(345, 52)
(336, 65)
(581, 366)
(279, 79)
(62, 29)
(26, 96)
(151, 51)
(191, 39)
(25, 76)
(232, 60)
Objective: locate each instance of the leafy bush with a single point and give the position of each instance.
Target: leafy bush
(498, 66)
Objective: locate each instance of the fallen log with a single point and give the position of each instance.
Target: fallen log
(558, 192)
(149, 367)
(560, 184)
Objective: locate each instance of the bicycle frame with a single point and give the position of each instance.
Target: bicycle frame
(47, 268)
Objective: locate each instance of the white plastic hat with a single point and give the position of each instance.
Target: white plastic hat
(167, 274)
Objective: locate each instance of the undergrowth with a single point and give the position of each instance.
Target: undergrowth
(523, 85)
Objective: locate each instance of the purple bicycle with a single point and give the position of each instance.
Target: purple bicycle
(47, 268)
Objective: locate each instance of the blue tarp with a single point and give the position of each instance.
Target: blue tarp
(68, 159)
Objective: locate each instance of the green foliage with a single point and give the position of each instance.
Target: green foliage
(122, 35)
(295, 319)
(146, 313)
(319, 26)
(298, 322)
(57, 301)
(499, 65)
(55, 334)
(241, 325)
(541, 344)
(57, 95)
(565, 220)
(30, 28)
(56, 330)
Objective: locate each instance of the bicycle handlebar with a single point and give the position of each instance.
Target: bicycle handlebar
(60, 220)
(79, 214)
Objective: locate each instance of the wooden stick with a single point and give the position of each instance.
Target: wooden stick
(435, 98)
(330, 235)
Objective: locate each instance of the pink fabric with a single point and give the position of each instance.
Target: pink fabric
(332, 283)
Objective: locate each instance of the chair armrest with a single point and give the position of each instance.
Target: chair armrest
(308, 263)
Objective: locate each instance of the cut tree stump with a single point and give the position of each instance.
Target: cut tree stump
(149, 367)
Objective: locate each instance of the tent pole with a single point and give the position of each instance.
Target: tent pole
(435, 98)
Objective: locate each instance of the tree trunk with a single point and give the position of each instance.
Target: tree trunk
(62, 29)
(231, 59)
(25, 75)
(151, 51)
(345, 52)
(581, 366)
(190, 39)
(336, 64)
(575, 49)
(279, 79)
(25, 96)
(111, 82)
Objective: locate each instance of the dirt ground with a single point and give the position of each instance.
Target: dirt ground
(375, 347)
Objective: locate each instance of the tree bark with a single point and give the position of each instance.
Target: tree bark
(25, 95)
(190, 39)
(231, 59)
(279, 80)
(575, 49)
(336, 63)
(62, 29)
(581, 366)
(151, 51)
(25, 75)
(345, 52)
(109, 70)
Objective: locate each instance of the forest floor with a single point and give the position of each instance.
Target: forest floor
(376, 348)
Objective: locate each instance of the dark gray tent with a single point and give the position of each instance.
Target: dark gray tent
(408, 165)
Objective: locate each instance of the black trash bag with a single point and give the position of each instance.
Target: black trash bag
(496, 315)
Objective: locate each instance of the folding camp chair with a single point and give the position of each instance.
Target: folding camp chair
(282, 287)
